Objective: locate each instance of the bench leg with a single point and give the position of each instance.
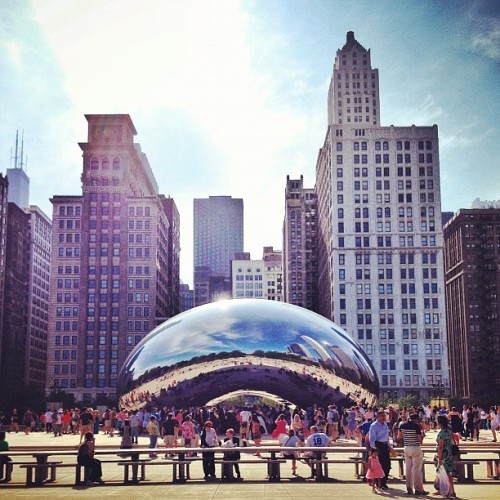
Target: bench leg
(470, 473)
(53, 473)
(78, 475)
(29, 476)
(125, 473)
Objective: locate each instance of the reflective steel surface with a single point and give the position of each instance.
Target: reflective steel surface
(247, 344)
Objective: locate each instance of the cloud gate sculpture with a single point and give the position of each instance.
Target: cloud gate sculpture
(246, 345)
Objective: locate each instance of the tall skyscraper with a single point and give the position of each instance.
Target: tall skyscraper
(111, 275)
(300, 245)
(472, 270)
(26, 237)
(218, 236)
(381, 243)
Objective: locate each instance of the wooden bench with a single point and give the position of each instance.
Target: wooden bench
(51, 467)
(9, 466)
(273, 466)
(135, 464)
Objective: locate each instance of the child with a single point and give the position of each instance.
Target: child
(375, 473)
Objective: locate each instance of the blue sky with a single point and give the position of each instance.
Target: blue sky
(229, 97)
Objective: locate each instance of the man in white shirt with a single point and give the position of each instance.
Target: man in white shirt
(317, 439)
(48, 421)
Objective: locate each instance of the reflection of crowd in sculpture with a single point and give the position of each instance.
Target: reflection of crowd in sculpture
(174, 381)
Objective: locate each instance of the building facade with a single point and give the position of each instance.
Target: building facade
(15, 339)
(218, 236)
(300, 245)
(258, 278)
(380, 248)
(4, 193)
(40, 232)
(472, 271)
(111, 252)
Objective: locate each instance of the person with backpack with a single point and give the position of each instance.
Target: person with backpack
(333, 418)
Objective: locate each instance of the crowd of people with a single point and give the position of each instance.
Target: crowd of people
(379, 430)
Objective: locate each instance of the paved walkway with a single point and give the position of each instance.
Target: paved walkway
(254, 486)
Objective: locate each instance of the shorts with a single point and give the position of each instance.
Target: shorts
(169, 440)
(256, 435)
(187, 441)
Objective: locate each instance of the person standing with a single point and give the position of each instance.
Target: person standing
(494, 418)
(169, 431)
(379, 440)
(27, 421)
(154, 433)
(209, 440)
(411, 434)
(134, 427)
(445, 441)
(14, 421)
(86, 423)
(231, 441)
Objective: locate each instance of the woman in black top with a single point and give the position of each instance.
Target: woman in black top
(86, 458)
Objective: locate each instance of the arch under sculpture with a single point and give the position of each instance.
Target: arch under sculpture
(249, 345)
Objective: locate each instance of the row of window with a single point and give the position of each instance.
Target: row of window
(379, 145)
(388, 319)
(249, 293)
(406, 333)
(390, 364)
(390, 349)
(385, 158)
(386, 241)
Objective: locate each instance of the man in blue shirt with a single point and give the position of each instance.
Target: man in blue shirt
(379, 440)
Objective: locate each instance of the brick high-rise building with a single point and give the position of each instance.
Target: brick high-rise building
(472, 271)
(300, 245)
(114, 270)
(380, 248)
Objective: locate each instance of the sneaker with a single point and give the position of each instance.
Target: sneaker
(409, 491)
(384, 487)
(88, 482)
(421, 492)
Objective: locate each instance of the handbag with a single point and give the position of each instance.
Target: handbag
(442, 483)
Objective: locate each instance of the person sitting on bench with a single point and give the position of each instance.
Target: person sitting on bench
(5, 464)
(93, 470)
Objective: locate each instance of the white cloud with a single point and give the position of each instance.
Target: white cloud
(487, 42)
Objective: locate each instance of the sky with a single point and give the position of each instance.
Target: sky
(229, 97)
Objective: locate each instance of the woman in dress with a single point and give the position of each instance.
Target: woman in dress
(351, 423)
(444, 441)
(280, 428)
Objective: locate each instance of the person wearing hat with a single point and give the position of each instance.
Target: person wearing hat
(379, 440)
(411, 434)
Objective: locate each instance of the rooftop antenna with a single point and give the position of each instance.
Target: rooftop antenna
(18, 159)
(15, 154)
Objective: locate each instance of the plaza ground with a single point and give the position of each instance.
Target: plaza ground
(254, 485)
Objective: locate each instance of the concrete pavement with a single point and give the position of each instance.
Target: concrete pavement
(254, 484)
